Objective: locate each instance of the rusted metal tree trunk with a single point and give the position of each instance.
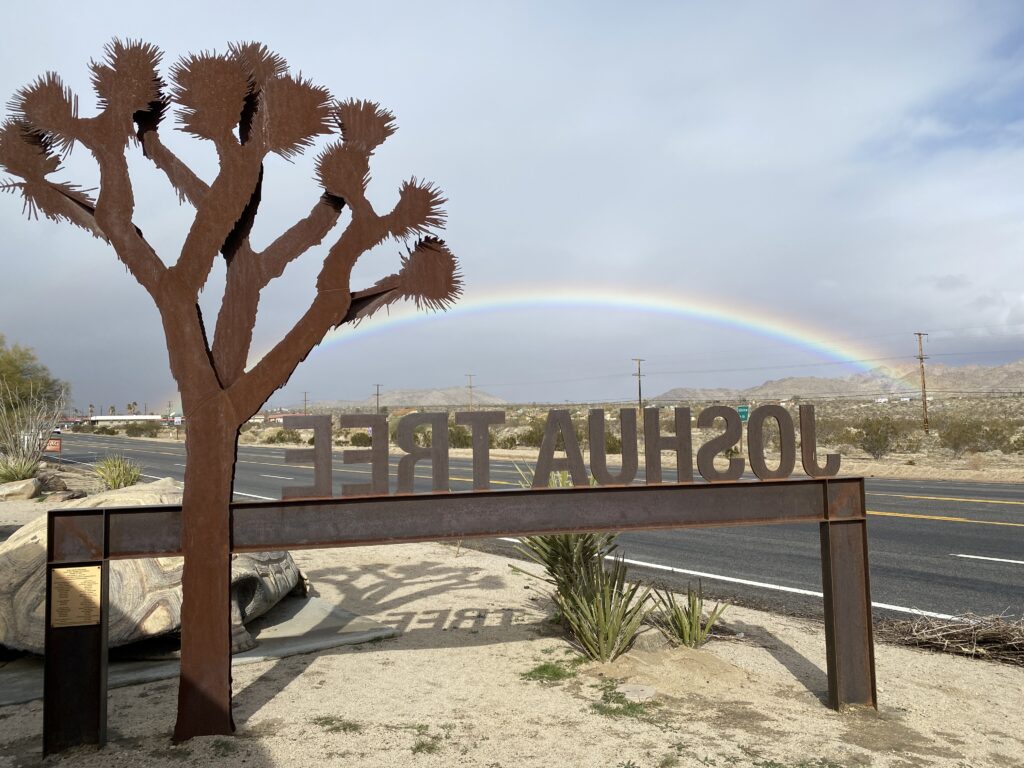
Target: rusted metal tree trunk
(204, 689)
(248, 106)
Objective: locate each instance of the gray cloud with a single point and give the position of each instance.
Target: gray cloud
(832, 167)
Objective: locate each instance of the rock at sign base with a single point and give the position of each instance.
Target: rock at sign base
(20, 490)
(145, 593)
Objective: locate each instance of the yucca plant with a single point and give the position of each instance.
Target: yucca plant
(600, 612)
(117, 472)
(684, 623)
(14, 468)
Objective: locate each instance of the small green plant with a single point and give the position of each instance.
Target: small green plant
(685, 623)
(553, 671)
(334, 724)
(426, 743)
(117, 472)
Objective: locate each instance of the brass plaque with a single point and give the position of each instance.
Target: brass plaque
(75, 596)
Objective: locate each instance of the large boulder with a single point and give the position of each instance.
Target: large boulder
(20, 490)
(145, 593)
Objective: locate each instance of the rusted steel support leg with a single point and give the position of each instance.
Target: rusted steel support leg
(849, 645)
(75, 659)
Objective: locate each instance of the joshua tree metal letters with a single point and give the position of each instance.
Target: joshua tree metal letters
(247, 104)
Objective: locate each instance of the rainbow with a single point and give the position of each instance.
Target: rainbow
(747, 319)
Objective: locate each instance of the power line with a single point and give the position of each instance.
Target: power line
(378, 397)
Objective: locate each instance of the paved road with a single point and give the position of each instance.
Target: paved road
(937, 546)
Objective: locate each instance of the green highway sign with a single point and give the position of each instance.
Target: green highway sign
(744, 412)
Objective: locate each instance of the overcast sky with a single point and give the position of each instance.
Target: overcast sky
(743, 191)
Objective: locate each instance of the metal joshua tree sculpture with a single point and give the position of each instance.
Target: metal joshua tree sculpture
(248, 105)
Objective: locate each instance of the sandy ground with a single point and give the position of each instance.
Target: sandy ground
(451, 689)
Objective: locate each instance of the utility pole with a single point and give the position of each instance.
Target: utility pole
(305, 403)
(921, 357)
(639, 387)
(378, 397)
(470, 377)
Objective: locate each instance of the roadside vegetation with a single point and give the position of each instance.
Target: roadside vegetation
(116, 471)
(31, 406)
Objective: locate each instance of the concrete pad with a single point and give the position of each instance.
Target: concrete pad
(293, 626)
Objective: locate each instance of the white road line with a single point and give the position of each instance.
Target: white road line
(765, 585)
(254, 496)
(278, 477)
(993, 559)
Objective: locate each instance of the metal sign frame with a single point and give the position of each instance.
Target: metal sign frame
(75, 688)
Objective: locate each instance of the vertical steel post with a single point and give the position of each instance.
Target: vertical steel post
(75, 654)
(849, 645)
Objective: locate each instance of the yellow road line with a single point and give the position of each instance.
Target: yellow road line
(945, 498)
(945, 519)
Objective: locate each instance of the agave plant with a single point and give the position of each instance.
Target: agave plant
(685, 623)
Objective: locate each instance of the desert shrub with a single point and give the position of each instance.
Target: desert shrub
(685, 623)
(361, 439)
(82, 427)
(878, 435)
(117, 472)
(534, 435)
(283, 436)
(833, 431)
(27, 418)
(612, 443)
(103, 429)
(972, 434)
(141, 430)
(507, 442)
(459, 436)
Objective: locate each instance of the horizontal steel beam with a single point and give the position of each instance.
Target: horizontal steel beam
(331, 522)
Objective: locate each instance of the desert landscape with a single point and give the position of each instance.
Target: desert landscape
(481, 676)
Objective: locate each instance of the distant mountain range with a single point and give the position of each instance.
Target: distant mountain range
(894, 381)
(403, 398)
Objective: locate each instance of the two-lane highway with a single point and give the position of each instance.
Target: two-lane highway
(935, 546)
